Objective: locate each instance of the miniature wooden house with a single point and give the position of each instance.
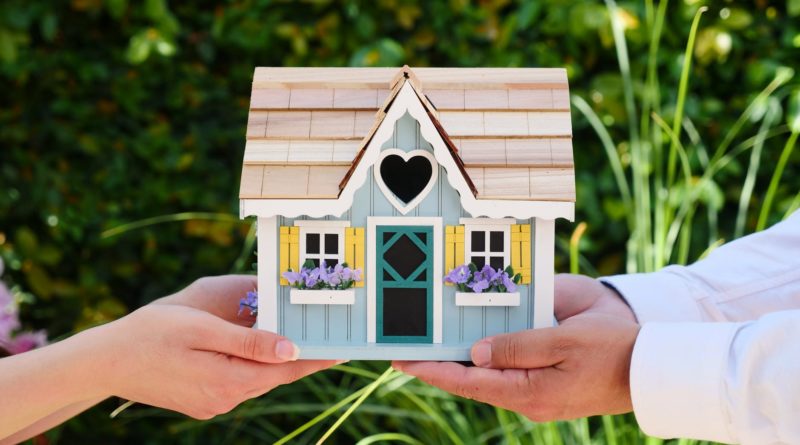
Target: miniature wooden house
(405, 175)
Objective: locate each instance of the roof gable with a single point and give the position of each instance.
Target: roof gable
(506, 131)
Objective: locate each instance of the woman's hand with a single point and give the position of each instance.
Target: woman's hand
(218, 296)
(194, 353)
(190, 352)
(187, 360)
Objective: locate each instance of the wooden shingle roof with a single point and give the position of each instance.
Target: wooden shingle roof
(511, 128)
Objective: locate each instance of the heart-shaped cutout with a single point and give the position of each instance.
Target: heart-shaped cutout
(405, 177)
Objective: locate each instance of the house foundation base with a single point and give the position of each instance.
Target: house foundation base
(386, 351)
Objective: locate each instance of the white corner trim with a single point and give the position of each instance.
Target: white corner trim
(406, 155)
(407, 101)
(487, 221)
(438, 260)
(267, 238)
(543, 273)
(321, 223)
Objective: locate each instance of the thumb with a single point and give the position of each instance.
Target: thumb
(529, 349)
(247, 343)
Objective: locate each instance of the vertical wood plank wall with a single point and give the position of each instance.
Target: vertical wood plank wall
(339, 324)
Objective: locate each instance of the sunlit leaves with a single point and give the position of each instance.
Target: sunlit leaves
(384, 52)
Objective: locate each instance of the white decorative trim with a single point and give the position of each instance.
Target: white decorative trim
(319, 208)
(320, 223)
(543, 274)
(438, 259)
(487, 299)
(322, 296)
(407, 101)
(487, 221)
(406, 155)
(267, 237)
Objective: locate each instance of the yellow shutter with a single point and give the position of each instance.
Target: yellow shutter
(289, 251)
(453, 247)
(354, 250)
(521, 251)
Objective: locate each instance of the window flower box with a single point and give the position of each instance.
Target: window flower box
(487, 299)
(322, 296)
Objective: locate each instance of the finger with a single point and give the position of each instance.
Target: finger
(505, 388)
(285, 373)
(534, 348)
(247, 343)
(219, 296)
(573, 295)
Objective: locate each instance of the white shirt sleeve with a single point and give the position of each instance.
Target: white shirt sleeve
(727, 382)
(739, 281)
(737, 381)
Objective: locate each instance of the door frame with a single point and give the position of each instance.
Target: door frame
(372, 251)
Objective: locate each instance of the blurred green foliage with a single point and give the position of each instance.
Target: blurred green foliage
(115, 111)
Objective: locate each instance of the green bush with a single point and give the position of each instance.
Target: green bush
(115, 112)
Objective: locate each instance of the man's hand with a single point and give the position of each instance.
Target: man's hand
(577, 369)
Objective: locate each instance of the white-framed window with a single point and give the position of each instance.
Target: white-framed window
(322, 240)
(487, 241)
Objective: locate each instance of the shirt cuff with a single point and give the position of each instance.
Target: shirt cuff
(677, 379)
(658, 296)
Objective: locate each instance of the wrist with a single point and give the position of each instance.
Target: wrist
(615, 303)
(95, 362)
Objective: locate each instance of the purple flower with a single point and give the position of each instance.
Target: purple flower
(508, 283)
(459, 275)
(479, 286)
(347, 274)
(8, 313)
(249, 302)
(292, 277)
(25, 341)
(323, 277)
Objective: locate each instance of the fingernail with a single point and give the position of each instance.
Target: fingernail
(286, 350)
(482, 353)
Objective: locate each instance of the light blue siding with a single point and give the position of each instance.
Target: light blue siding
(340, 326)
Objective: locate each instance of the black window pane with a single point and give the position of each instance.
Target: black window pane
(422, 237)
(496, 262)
(478, 241)
(330, 262)
(478, 261)
(422, 277)
(387, 236)
(312, 243)
(496, 241)
(387, 276)
(405, 312)
(404, 256)
(331, 243)
(315, 261)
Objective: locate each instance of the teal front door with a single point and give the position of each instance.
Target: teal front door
(404, 291)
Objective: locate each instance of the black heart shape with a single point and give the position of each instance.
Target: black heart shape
(406, 179)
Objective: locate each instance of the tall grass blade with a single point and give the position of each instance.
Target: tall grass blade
(367, 392)
(185, 216)
(770, 117)
(776, 177)
(574, 247)
(388, 437)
